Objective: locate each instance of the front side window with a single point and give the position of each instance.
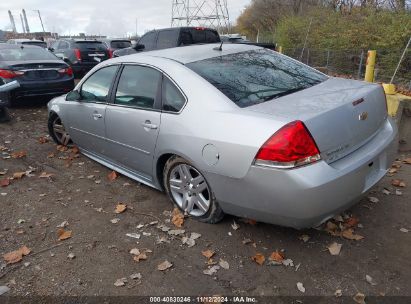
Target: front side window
(254, 77)
(97, 86)
(138, 87)
(167, 39)
(173, 100)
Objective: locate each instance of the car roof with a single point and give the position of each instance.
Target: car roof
(18, 46)
(187, 54)
(26, 40)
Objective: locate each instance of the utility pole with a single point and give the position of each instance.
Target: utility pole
(136, 28)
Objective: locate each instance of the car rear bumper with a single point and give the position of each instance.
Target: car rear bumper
(308, 196)
(83, 67)
(43, 88)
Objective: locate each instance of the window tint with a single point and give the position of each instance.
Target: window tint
(254, 77)
(204, 36)
(138, 87)
(149, 40)
(90, 46)
(173, 100)
(27, 53)
(97, 86)
(185, 38)
(167, 39)
(120, 44)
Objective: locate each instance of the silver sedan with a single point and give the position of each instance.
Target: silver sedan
(239, 130)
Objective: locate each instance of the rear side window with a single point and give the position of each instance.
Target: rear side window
(173, 100)
(90, 46)
(167, 39)
(254, 77)
(97, 86)
(204, 36)
(120, 44)
(138, 87)
(149, 40)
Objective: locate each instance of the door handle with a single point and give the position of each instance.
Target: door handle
(149, 125)
(97, 116)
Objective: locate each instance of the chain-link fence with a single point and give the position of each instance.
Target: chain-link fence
(351, 63)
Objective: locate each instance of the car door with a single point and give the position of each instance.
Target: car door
(133, 119)
(87, 115)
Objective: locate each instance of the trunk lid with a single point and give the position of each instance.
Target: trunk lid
(342, 115)
(38, 69)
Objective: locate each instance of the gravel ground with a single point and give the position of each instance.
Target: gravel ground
(77, 190)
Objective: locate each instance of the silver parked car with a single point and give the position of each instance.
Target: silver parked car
(239, 130)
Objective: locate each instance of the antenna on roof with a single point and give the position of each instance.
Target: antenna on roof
(220, 48)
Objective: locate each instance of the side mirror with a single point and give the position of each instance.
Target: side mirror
(73, 96)
(139, 47)
(51, 49)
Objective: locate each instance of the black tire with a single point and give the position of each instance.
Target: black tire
(4, 114)
(214, 215)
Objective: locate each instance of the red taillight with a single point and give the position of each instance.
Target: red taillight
(291, 146)
(77, 54)
(110, 53)
(68, 71)
(7, 74)
(200, 28)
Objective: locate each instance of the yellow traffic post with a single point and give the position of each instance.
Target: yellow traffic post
(280, 49)
(370, 68)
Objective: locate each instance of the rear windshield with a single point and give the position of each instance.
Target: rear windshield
(253, 77)
(120, 44)
(36, 43)
(90, 45)
(26, 53)
(204, 36)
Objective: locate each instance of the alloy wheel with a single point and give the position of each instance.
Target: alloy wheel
(190, 190)
(60, 132)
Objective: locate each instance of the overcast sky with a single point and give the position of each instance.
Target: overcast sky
(113, 18)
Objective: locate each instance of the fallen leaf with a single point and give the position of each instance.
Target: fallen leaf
(334, 248)
(407, 161)
(404, 230)
(277, 256)
(63, 224)
(208, 253)
(135, 251)
(178, 218)
(4, 182)
(120, 282)
(176, 232)
(136, 276)
(45, 175)
(305, 238)
(43, 140)
(349, 235)
(300, 287)
(141, 257)
(71, 256)
(115, 221)
(259, 259)
(235, 226)
(249, 221)
(112, 176)
(338, 293)
(17, 255)
(195, 235)
(61, 148)
(288, 262)
(19, 154)
(75, 150)
(51, 155)
(64, 234)
(359, 298)
(398, 192)
(386, 192)
(133, 235)
(224, 264)
(212, 270)
(188, 241)
(351, 222)
(18, 175)
(120, 208)
(373, 199)
(164, 266)
(370, 280)
(398, 183)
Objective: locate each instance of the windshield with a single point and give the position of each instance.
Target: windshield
(90, 45)
(117, 44)
(254, 77)
(26, 53)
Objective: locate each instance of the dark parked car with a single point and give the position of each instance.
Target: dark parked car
(37, 70)
(28, 42)
(240, 40)
(116, 44)
(81, 55)
(170, 38)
